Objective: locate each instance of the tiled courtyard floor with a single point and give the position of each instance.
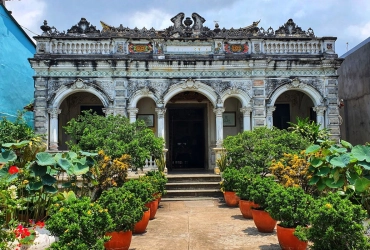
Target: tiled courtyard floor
(202, 225)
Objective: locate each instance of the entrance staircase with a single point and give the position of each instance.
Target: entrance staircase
(192, 186)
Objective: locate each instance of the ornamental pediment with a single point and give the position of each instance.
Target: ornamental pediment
(183, 28)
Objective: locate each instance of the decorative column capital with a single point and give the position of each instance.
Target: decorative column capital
(54, 112)
(270, 109)
(319, 110)
(219, 111)
(160, 112)
(133, 111)
(246, 110)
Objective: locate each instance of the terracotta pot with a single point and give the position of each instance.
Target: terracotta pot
(288, 241)
(231, 199)
(140, 226)
(158, 196)
(263, 221)
(153, 205)
(119, 240)
(246, 208)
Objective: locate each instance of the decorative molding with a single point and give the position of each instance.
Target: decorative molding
(190, 84)
(185, 73)
(54, 112)
(219, 111)
(246, 111)
(160, 112)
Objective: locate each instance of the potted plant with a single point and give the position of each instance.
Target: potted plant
(230, 178)
(243, 192)
(222, 162)
(79, 223)
(336, 223)
(260, 188)
(144, 191)
(125, 209)
(292, 207)
(159, 181)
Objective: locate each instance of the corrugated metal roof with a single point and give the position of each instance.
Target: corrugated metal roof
(355, 48)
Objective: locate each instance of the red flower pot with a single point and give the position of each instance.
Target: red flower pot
(140, 226)
(153, 205)
(288, 241)
(246, 208)
(231, 199)
(263, 221)
(118, 241)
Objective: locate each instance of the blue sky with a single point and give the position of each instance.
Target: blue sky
(348, 20)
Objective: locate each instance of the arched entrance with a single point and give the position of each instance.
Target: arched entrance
(290, 105)
(187, 123)
(71, 107)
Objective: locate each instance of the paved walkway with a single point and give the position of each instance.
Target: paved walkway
(202, 225)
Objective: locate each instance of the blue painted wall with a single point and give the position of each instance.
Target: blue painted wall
(16, 82)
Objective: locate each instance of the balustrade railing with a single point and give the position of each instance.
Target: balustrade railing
(274, 47)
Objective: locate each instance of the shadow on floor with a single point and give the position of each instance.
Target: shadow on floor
(253, 231)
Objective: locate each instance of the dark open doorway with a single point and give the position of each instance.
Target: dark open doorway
(281, 116)
(186, 138)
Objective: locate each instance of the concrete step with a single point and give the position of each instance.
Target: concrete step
(197, 198)
(192, 185)
(193, 193)
(193, 178)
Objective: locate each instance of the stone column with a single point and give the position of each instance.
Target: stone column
(269, 119)
(219, 126)
(246, 118)
(53, 136)
(132, 114)
(160, 116)
(320, 115)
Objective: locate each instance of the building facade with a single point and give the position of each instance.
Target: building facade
(16, 82)
(191, 84)
(354, 93)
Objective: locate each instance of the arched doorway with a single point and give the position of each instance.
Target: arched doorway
(232, 117)
(187, 138)
(71, 107)
(290, 105)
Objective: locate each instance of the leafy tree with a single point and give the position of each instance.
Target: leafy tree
(257, 148)
(15, 131)
(115, 135)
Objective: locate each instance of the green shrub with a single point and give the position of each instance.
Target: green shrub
(260, 188)
(290, 205)
(257, 148)
(123, 206)
(79, 224)
(142, 189)
(243, 185)
(115, 135)
(15, 131)
(309, 130)
(159, 180)
(336, 223)
(230, 179)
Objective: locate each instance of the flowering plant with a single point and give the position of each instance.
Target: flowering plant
(292, 171)
(109, 172)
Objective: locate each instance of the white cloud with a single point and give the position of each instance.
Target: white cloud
(29, 14)
(360, 30)
(152, 18)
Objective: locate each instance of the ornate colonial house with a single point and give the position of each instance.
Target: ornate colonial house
(193, 85)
